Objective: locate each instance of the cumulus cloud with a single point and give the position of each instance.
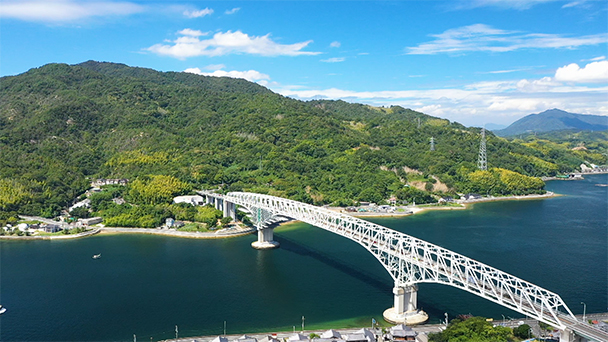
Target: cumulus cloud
(232, 11)
(477, 103)
(198, 13)
(224, 43)
(250, 75)
(193, 33)
(334, 60)
(215, 67)
(57, 11)
(480, 37)
(592, 73)
(335, 44)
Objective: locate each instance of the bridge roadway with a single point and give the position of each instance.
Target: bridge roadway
(410, 261)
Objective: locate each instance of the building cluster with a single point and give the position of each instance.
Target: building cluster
(366, 207)
(397, 333)
(51, 227)
(102, 181)
(35, 227)
(592, 168)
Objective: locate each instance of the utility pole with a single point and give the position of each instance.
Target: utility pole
(482, 161)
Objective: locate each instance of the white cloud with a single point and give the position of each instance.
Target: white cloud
(65, 10)
(600, 58)
(477, 103)
(334, 60)
(193, 33)
(250, 75)
(335, 44)
(215, 67)
(573, 4)
(198, 13)
(232, 11)
(508, 4)
(480, 37)
(592, 73)
(224, 43)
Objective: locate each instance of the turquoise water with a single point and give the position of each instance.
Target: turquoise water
(145, 285)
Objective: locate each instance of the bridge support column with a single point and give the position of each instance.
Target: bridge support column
(229, 209)
(568, 335)
(265, 239)
(404, 309)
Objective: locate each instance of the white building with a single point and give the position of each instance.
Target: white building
(193, 200)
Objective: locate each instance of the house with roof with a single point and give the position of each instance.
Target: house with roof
(331, 334)
(401, 332)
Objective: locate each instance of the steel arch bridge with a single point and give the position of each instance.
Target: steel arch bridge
(407, 259)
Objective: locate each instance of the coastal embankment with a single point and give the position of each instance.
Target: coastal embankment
(456, 205)
(52, 237)
(238, 230)
(219, 234)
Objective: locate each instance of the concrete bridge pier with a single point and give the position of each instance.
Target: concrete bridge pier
(404, 309)
(568, 335)
(265, 239)
(229, 210)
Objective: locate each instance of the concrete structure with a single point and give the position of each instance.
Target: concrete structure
(193, 200)
(410, 261)
(91, 221)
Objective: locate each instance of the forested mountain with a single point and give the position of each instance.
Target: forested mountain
(63, 125)
(554, 120)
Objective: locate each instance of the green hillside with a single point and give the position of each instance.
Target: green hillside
(62, 125)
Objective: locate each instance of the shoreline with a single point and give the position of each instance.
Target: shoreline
(466, 204)
(176, 233)
(53, 237)
(241, 231)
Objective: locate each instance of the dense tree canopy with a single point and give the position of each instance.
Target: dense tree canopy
(61, 126)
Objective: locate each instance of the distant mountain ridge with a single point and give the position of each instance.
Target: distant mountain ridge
(555, 120)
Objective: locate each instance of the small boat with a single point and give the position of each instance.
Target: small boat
(97, 256)
(2, 310)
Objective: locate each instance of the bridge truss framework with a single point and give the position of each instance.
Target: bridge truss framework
(409, 260)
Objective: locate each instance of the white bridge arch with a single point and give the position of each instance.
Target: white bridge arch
(407, 259)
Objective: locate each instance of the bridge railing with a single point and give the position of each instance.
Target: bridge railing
(410, 260)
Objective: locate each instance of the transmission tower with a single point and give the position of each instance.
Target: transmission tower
(482, 162)
(432, 144)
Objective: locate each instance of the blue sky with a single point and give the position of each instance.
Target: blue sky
(475, 62)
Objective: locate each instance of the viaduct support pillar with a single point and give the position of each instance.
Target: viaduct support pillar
(404, 310)
(568, 335)
(265, 239)
(229, 209)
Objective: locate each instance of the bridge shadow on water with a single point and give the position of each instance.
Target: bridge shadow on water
(331, 261)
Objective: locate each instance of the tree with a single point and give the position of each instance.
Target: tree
(523, 331)
(80, 212)
(474, 329)
(226, 220)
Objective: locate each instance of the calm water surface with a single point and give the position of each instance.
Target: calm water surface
(145, 285)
